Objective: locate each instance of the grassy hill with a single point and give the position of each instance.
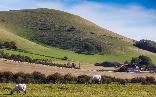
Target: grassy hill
(62, 30)
(57, 34)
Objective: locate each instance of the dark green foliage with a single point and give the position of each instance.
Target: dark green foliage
(55, 78)
(39, 77)
(141, 61)
(138, 80)
(106, 79)
(83, 79)
(6, 77)
(150, 80)
(62, 30)
(144, 60)
(9, 45)
(68, 78)
(108, 64)
(19, 77)
(65, 58)
(142, 80)
(146, 45)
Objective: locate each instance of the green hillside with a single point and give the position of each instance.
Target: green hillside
(62, 30)
(57, 34)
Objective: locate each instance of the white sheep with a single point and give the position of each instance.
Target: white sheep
(18, 88)
(95, 79)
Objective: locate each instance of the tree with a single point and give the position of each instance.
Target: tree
(135, 60)
(141, 60)
(145, 60)
(146, 45)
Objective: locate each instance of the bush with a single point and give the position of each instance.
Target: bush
(150, 80)
(123, 81)
(138, 80)
(65, 58)
(39, 77)
(55, 78)
(83, 79)
(68, 78)
(19, 77)
(106, 79)
(6, 77)
(7, 44)
(108, 64)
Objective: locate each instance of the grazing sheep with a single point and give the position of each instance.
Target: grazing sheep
(95, 79)
(18, 88)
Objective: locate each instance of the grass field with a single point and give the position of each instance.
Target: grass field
(82, 90)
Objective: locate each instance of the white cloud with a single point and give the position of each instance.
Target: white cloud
(132, 21)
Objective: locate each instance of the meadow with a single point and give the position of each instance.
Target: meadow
(82, 90)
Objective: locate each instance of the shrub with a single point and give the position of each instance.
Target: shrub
(7, 44)
(55, 78)
(83, 79)
(6, 77)
(39, 77)
(150, 80)
(122, 81)
(138, 80)
(68, 78)
(19, 77)
(106, 79)
(65, 58)
(108, 64)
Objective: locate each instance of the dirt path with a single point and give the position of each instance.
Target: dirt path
(7, 65)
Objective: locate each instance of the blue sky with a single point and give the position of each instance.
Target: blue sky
(135, 19)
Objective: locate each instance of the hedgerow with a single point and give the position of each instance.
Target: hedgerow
(57, 78)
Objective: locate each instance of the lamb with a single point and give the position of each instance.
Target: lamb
(18, 88)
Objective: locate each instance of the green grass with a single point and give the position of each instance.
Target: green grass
(82, 90)
(59, 53)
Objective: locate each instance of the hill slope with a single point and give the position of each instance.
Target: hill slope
(63, 30)
(40, 31)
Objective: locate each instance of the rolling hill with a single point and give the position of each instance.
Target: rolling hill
(62, 30)
(58, 34)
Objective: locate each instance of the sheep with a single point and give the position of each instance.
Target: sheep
(18, 88)
(95, 79)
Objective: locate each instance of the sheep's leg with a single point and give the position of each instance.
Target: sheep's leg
(11, 92)
(25, 91)
(18, 91)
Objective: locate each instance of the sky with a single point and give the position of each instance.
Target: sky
(135, 19)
